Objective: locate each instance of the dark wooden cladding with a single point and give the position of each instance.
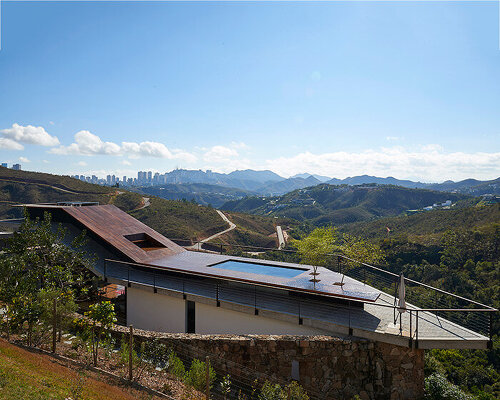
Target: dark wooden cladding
(110, 225)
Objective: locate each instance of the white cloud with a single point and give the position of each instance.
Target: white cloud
(126, 162)
(46, 161)
(392, 138)
(10, 144)
(225, 159)
(220, 154)
(88, 144)
(24, 159)
(30, 134)
(429, 164)
(81, 163)
(146, 149)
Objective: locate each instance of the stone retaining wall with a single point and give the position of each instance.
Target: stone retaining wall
(329, 368)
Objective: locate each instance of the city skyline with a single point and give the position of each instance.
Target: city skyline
(401, 89)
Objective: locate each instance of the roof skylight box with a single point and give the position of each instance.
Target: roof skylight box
(144, 241)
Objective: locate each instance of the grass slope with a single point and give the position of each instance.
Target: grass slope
(28, 376)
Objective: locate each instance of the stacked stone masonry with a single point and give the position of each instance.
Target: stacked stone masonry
(328, 367)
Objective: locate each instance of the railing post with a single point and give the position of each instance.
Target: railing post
(411, 336)
(128, 275)
(217, 294)
(105, 271)
(416, 331)
(350, 328)
(300, 317)
(130, 352)
(221, 248)
(154, 282)
(256, 310)
(490, 330)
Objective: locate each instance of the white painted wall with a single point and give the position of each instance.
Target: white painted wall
(155, 311)
(210, 319)
(163, 313)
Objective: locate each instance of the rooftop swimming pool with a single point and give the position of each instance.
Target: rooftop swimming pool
(261, 269)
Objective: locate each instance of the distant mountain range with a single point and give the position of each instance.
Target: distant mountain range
(268, 183)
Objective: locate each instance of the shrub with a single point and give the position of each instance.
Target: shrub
(197, 376)
(292, 391)
(175, 365)
(270, 391)
(437, 387)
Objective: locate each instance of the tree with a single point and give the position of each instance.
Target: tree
(321, 244)
(313, 249)
(100, 319)
(36, 258)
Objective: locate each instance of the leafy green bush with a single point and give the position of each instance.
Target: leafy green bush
(274, 391)
(197, 376)
(175, 365)
(437, 387)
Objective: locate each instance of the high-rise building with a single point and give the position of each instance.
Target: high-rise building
(4, 164)
(108, 179)
(150, 176)
(17, 167)
(141, 176)
(124, 179)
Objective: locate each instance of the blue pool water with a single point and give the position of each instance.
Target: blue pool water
(262, 269)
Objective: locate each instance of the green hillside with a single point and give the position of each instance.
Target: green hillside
(428, 226)
(175, 219)
(328, 204)
(202, 193)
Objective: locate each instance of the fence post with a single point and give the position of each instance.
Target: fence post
(221, 248)
(411, 336)
(128, 275)
(7, 308)
(207, 377)
(130, 352)
(54, 325)
(416, 331)
(217, 294)
(154, 282)
(105, 272)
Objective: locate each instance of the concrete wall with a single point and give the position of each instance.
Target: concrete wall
(213, 320)
(155, 311)
(163, 313)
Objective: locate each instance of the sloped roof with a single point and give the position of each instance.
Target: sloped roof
(111, 225)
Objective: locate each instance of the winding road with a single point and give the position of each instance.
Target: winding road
(198, 245)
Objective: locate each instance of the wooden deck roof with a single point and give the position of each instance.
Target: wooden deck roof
(133, 239)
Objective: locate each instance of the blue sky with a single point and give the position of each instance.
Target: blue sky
(405, 89)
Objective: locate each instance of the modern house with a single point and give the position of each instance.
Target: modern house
(171, 289)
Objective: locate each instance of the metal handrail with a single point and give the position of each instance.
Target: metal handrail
(360, 263)
(255, 299)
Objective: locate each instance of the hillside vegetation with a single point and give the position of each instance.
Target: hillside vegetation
(429, 226)
(328, 204)
(202, 193)
(175, 219)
